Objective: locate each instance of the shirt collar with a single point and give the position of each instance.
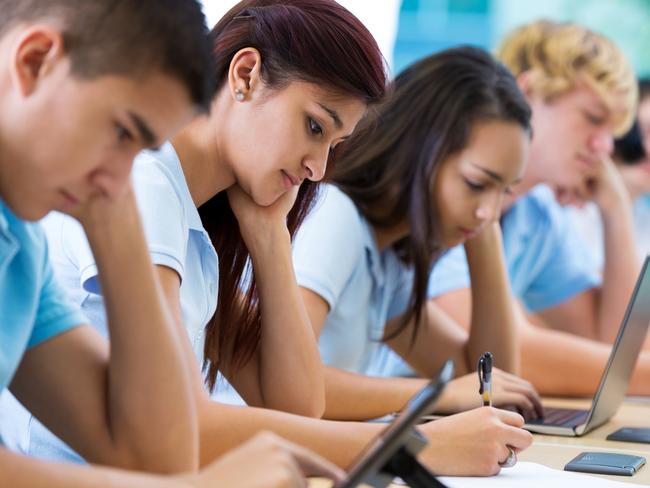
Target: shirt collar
(372, 252)
(4, 223)
(8, 243)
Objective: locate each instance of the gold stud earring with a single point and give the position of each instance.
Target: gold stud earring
(239, 95)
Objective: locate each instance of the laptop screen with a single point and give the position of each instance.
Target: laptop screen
(625, 352)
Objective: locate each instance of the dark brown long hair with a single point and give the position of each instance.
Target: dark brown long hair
(316, 41)
(388, 166)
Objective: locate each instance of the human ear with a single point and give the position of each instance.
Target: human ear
(244, 75)
(37, 52)
(524, 82)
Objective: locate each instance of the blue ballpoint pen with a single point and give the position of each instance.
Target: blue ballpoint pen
(485, 378)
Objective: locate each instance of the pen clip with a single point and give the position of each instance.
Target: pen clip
(479, 370)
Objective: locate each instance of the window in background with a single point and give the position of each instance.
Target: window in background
(427, 26)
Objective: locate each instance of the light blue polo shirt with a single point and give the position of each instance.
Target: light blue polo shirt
(176, 239)
(33, 307)
(547, 258)
(336, 256)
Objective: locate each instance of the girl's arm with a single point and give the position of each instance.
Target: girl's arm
(286, 372)
(471, 443)
(493, 323)
(352, 396)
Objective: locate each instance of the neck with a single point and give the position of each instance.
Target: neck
(202, 159)
(387, 237)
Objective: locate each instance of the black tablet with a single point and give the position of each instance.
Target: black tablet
(380, 450)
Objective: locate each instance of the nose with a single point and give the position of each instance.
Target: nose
(489, 208)
(603, 143)
(114, 175)
(316, 165)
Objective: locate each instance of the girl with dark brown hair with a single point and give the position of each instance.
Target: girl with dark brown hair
(427, 171)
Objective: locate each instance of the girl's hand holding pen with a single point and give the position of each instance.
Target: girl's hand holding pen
(508, 392)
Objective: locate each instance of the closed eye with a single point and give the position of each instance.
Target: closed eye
(123, 134)
(474, 186)
(595, 119)
(315, 128)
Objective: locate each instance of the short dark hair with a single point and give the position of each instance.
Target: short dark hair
(128, 37)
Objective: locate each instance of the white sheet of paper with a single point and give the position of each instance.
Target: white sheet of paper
(532, 475)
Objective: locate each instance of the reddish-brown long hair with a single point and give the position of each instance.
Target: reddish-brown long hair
(316, 41)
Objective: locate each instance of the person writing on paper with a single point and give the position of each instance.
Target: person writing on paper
(74, 112)
(426, 172)
(582, 92)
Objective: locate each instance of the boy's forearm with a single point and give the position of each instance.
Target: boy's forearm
(620, 270)
(150, 406)
(22, 472)
(561, 364)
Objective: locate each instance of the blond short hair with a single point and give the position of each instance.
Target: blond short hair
(560, 56)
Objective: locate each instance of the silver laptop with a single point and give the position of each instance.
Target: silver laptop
(615, 379)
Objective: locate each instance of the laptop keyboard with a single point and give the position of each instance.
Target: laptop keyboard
(564, 417)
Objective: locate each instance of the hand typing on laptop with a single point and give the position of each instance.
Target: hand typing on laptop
(509, 392)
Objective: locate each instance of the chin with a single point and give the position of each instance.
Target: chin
(269, 198)
(454, 241)
(266, 200)
(28, 213)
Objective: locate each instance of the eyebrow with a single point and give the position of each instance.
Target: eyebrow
(333, 114)
(147, 135)
(495, 176)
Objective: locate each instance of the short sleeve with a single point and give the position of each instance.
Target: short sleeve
(569, 266)
(450, 273)
(163, 215)
(55, 313)
(329, 245)
(163, 218)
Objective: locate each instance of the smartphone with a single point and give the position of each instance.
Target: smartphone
(379, 451)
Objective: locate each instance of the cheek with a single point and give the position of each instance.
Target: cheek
(448, 202)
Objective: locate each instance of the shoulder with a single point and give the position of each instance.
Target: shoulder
(155, 168)
(333, 226)
(29, 237)
(540, 203)
(336, 210)
(160, 188)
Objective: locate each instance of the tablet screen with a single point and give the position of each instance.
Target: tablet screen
(382, 447)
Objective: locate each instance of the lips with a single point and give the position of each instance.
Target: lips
(69, 198)
(469, 233)
(292, 179)
(588, 161)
